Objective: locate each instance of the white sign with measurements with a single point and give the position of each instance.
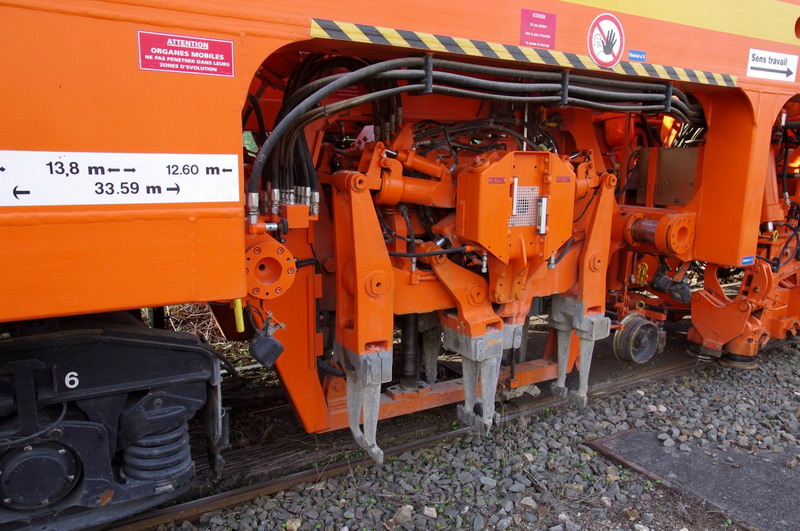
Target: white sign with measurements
(56, 178)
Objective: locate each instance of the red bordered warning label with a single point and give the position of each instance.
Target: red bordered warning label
(606, 40)
(185, 54)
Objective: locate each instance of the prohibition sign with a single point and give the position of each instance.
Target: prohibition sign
(606, 40)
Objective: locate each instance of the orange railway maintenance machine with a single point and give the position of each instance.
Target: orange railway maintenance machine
(360, 190)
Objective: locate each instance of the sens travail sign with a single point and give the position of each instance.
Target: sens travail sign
(771, 65)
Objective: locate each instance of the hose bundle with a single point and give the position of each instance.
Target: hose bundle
(286, 153)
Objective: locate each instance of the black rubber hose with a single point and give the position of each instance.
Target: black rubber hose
(656, 88)
(564, 250)
(411, 238)
(306, 90)
(796, 237)
(500, 86)
(330, 84)
(496, 71)
(453, 152)
(454, 250)
(616, 83)
(611, 107)
(608, 95)
(295, 133)
(306, 262)
(588, 204)
(495, 97)
(345, 81)
(489, 123)
(388, 230)
(300, 165)
(309, 162)
(253, 100)
(295, 130)
(464, 81)
(324, 367)
(518, 137)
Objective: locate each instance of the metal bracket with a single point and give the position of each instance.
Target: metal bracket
(512, 335)
(480, 356)
(566, 315)
(365, 373)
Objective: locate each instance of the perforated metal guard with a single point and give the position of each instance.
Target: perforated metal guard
(527, 206)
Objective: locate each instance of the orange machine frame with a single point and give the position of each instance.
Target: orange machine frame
(73, 78)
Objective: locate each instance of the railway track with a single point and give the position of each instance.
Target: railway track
(427, 431)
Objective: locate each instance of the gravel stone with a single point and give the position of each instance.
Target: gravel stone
(536, 473)
(528, 502)
(488, 482)
(505, 523)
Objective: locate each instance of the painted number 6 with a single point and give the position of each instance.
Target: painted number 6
(71, 380)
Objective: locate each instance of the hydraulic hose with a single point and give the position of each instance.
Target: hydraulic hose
(351, 78)
(300, 108)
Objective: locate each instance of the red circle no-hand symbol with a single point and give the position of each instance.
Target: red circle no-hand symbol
(606, 40)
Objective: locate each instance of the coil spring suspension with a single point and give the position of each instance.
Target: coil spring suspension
(159, 456)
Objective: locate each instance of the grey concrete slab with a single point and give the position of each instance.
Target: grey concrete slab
(758, 489)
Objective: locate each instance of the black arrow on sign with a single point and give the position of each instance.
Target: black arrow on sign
(176, 189)
(787, 72)
(18, 193)
(2, 168)
(227, 170)
(129, 170)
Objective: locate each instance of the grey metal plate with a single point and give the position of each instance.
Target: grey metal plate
(756, 488)
(676, 177)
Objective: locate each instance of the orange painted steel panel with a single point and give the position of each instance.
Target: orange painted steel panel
(76, 86)
(73, 84)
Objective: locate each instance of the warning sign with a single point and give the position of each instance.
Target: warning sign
(185, 54)
(537, 29)
(606, 40)
(771, 65)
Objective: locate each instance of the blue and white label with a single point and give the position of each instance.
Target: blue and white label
(637, 55)
(748, 260)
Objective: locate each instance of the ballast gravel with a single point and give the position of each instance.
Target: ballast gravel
(537, 473)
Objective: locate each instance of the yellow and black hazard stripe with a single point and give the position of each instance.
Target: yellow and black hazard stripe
(346, 31)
